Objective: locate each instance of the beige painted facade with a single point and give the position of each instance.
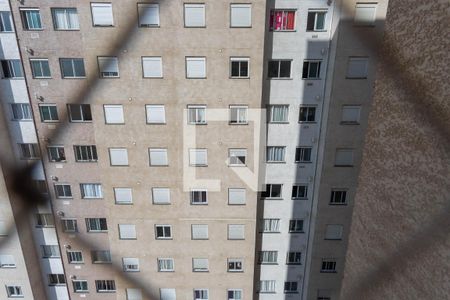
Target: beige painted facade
(217, 42)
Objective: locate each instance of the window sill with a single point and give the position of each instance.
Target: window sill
(349, 123)
(159, 165)
(102, 262)
(294, 232)
(233, 77)
(270, 232)
(344, 166)
(267, 292)
(42, 77)
(124, 203)
(156, 77)
(80, 121)
(355, 77)
(166, 271)
(286, 30)
(109, 77)
(239, 166)
(235, 271)
(233, 124)
(69, 29)
(293, 264)
(195, 78)
(287, 292)
(307, 122)
(325, 271)
(164, 239)
(198, 166)
(269, 263)
(155, 123)
(205, 203)
(275, 162)
(103, 25)
(98, 231)
(299, 198)
(58, 161)
(272, 122)
(197, 123)
(86, 161)
(333, 239)
(303, 162)
(338, 204)
(280, 78)
(149, 26)
(316, 30)
(270, 198)
(76, 77)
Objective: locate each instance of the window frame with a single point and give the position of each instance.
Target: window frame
(163, 237)
(202, 196)
(165, 150)
(270, 192)
(239, 60)
(294, 258)
(308, 108)
(247, 5)
(184, 15)
(101, 64)
(316, 12)
(196, 58)
(58, 196)
(92, 5)
(54, 20)
(307, 64)
(75, 254)
(283, 11)
(14, 69)
(149, 106)
(72, 62)
(294, 226)
(109, 284)
(195, 152)
(152, 58)
(328, 262)
(60, 155)
(33, 70)
(16, 292)
(91, 152)
(301, 156)
(238, 108)
(279, 62)
(237, 263)
(80, 288)
(73, 224)
(161, 259)
(18, 108)
(343, 196)
(3, 22)
(102, 225)
(141, 25)
(273, 161)
(272, 254)
(25, 23)
(271, 113)
(197, 120)
(238, 162)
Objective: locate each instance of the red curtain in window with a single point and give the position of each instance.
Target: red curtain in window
(290, 20)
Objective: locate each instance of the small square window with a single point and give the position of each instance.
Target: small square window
(350, 114)
(123, 195)
(328, 266)
(65, 19)
(290, 287)
(102, 14)
(158, 157)
(300, 191)
(69, 225)
(282, 20)
(235, 265)
(272, 191)
(296, 226)
(294, 258)
(199, 231)
(7, 261)
(199, 196)
(270, 226)
(130, 264)
(6, 22)
(40, 68)
(14, 291)
(239, 67)
(316, 20)
(307, 114)
(334, 232)
(118, 156)
(278, 113)
(194, 15)
(48, 112)
(236, 231)
(165, 265)
(196, 114)
(357, 67)
(234, 294)
(56, 153)
(303, 154)
(80, 286)
(31, 18)
(275, 154)
(163, 232)
(75, 257)
(198, 157)
(86, 153)
(311, 69)
(114, 114)
(148, 14)
(127, 231)
(108, 66)
(236, 196)
(365, 14)
(72, 67)
(161, 195)
(152, 67)
(338, 197)
(156, 114)
(238, 114)
(196, 67)
(200, 265)
(63, 191)
(80, 112)
(279, 69)
(237, 157)
(344, 158)
(241, 15)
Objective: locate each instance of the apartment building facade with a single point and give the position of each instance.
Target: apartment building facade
(115, 89)
(37, 247)
(114, 154)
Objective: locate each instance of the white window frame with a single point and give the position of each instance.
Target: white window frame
(95, 190)
(302, 156)
(67, 20)
(235, 265)
(5, 17)
(40, 61)
(97, 23)
(64, 190)
(316, 12)
(234, 155)
(73, 228)
(127, 232)
(307, 63)
(239, 60)
(26, 22)
(294, 226)
(123, 195)
(14, 291)
(98, 225)
(108, 66)
(197, 116)
(118, 157)
(279, 61)
(294, 258)
(141, 11)
(160, 119)
(203, 262)
(343, 194)
(270, 154)
(240, 227)
(7, 261)
(199, 232)
(191, 74)
(334, 231)
(163, 152)
(91, 151)
(74, 255)
(267, 286)
(152, 67)
(130, 264)
(269, 191)
(241, 115)
(21, 112)
(164, 237)
(195, 160)
(165, 264)
(113, 114)
(270, 225)
(190, 23)
(242, 24)
(202, 192)
(52, 112)
(157, 190)
(268, 257)
(236, 294)
(359, 19)
(284, 113)
(307, 108)
(240, 193)
(78, 286)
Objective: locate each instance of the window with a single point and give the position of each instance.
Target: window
(123, 195)
(7, 261)
(270, 225)
(5, 22)
(31, 18)
(267, 286)
(148, 14)
(102, 14)
(241, 15)
(334, 232)
(323, 295)
(152, 67)
(118, 156)
(12, 68)
(199, 265)
(272, 191)
(344, 158)
(282, 20)
(234, 294)
(85, 153)
(238, 114)
(195, 67)
(56, 279)
(303, 154)
(108, 66)
(101, 257)
(134, 294)
(69, 225)
(316, 20)
(307, 114)
(365, 14)
(357, 67)
(127, 232)
(338, 197)
(199, 231)
(158, 157)
(80, 286)
(114, 114)
(311, 69)
(130, 264)
(165, 265)
(72, 67)
(21, 111)
(56, 153)
(350, 114)
(237, 157)
(275, 154)
(63, 191)
(194, 15)
(299, 192)
(290, 287)
(48, 112)
(14, 291)
(236, 231)
(198, 157)
(279, 69)
(201, 294)
(196, 114)
(41, 186)
(50, 251)
(161, 195)
(294, 258)
(44, 220)
(296, 226)
(80, 112)
(105, 286)
(268, 257)
(239, 67)
(328, 266)
(65, 19)
(40, 68)
(96, 225)
(3, 228)
(91, 190)
(156, 114)
(163, 232)
(235, 265)
(278, 113)
(199, 196)
(75, 257)
(29, 151)
(167, 294)
(236, 196)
